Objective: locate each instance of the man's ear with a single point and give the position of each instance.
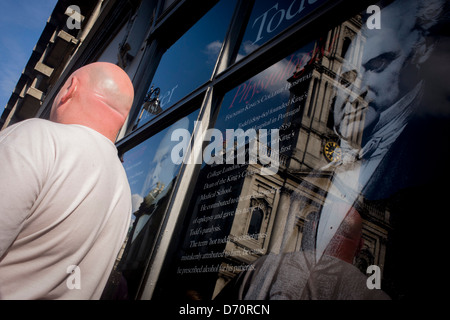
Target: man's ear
(69, 92)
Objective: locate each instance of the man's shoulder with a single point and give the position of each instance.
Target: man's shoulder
(26, 129)
(37, 127)
(33, 122)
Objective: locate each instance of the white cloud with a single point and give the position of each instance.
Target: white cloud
(136, 201)
(212, 50)
(214, 47)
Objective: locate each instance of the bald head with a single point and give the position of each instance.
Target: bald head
(98, 95)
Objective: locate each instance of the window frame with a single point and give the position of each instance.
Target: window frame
(207, 97)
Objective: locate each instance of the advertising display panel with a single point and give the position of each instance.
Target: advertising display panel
(320, 203)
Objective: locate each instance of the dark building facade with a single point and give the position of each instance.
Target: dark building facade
(303, 140)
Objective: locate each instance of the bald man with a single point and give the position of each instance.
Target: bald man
(65, 201)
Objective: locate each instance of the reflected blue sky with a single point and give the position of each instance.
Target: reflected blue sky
(150, 162)
(189, 62)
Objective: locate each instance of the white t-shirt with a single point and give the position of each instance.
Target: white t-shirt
(65, 207)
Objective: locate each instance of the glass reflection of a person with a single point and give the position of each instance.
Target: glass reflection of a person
(377, 106)
(389, 106)
(155, 191)
(391, 81)
(159, 180)
(386, 91)
(299, 276)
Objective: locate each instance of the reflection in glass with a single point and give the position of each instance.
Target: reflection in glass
(352, 187)
(151, 174)
(190, 61)
(269, 18)
(151, 105)
(256, 221)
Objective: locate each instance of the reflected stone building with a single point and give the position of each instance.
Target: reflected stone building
(262, 65)
(308, 145)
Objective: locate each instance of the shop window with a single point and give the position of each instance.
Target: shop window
(226, 225)
(151, 174)
(256, 221)
(188, 63)
(330, 119)
(345, 45)
(377, 180)
(313, 98)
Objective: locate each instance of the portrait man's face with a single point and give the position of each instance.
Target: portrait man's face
(385, 73)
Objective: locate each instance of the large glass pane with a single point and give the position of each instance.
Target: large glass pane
(269, 18)
(189, 62)
(322, 178)
(151, 174)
